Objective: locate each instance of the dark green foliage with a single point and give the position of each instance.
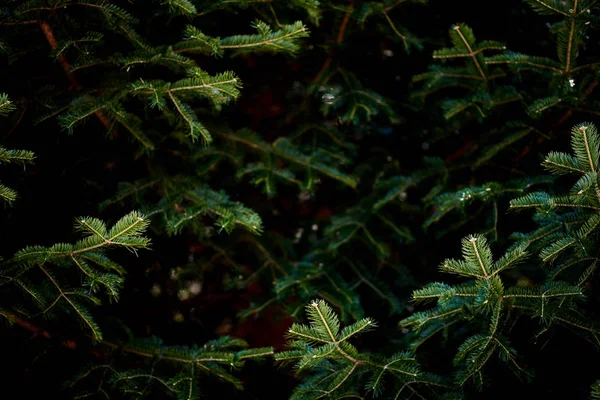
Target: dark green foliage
(569, 220)
(476, 75)
(596, 390)
(50, 294)
(488, 194)
(487, 304)
(22, 157)
(186, 365)
(339, 370)
(299, 159)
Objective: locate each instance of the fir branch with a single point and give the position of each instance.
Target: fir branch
(127, 233)
(338, 368)
(22, 157)
(284, 149)
(188, 363)
(282, 40)
(183, 7)
(488, 298)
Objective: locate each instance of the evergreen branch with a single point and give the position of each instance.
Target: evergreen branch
(196, 129)
(22, 157)
(471, 54)
(283, 40)
(49, 34)
(517, 59)
(6, 105)
(336, 366)
(184, 7)
(541, 105)
(7, 194)
(391, 23)
(560, 163)
(127, 232)
(81, 311)
(487, 298)
(205, 201)
(493, 150)
(549, 7)
(595, 392)
(476, 249)
(284, 149)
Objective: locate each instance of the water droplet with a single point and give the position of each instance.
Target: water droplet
(328, 98)
(315, 227)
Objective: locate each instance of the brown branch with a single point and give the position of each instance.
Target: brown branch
(462, 150)
(339, 40)
(340, 36)
(64, 63)
(37, 331)
(526, 150)
(49, 34)
(324, 67)
(33, 21)
(19, 120)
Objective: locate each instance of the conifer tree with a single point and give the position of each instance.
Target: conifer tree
(259, 176)
(496, 79)
(115, 76)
